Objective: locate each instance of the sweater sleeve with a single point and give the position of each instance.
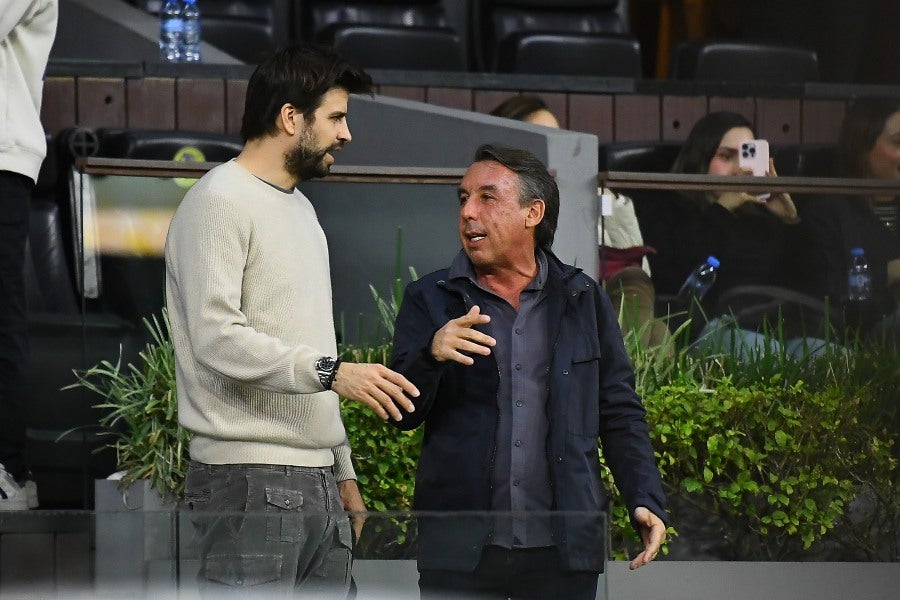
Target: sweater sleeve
(206, 254)
(343, 462)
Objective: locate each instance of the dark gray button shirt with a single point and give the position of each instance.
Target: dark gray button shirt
(520, 477)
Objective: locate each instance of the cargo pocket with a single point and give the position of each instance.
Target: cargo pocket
(238, 570)
(284, 518)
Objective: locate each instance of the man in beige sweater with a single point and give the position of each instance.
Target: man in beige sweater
(249, 297)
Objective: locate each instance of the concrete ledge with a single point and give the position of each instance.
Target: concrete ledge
(683, 580)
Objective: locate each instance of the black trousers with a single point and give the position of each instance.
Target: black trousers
(15, 197)
(527, 573)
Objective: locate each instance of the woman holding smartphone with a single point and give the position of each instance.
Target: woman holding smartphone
(751, 236)
(754, 237)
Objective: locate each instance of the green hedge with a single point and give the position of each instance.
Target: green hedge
(773, 458)
(768, 455)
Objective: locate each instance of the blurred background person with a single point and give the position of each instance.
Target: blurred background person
(528, 108)
(868, 147)
(27, 30)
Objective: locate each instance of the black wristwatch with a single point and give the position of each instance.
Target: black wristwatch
(326, 369)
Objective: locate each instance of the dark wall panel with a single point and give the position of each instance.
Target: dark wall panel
(200, 105)
(778, 120)
(592, 113)
(235, 96)
(415, 93)
(488, 100)
(742, 106)
(679, 113)
(636, 118)
(460, 98)
(101, 102)
(151, 102)
(58, 103)
(216, 104)
(821, 120)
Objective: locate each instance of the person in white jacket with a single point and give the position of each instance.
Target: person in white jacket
(27, 31)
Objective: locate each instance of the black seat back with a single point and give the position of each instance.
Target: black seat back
(806, 160)
(400, 47)
(715, 60)
(319, 19)
(495, 20)
(642, 157)
(570, 53)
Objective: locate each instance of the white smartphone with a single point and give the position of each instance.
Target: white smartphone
(754, 155)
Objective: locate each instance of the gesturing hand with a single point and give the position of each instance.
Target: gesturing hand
(653, 531)
(377, 387)
(458, 336)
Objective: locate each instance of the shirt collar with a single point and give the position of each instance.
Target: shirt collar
(462, 268)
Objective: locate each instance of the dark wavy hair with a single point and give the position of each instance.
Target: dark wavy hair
(534, 182)
(301, 75)
(862, 125)
(519, 107)
(701, 145)
(703, 141)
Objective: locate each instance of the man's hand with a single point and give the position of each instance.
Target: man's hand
(377, 387)
(653, 531)
(353, 503)
(459, 336)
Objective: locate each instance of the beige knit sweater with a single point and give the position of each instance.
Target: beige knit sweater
(248, 290)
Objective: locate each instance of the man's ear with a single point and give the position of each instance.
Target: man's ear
(535, 213)
(287, 117)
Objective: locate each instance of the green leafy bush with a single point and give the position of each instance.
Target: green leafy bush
(140, 412)
(773, 457)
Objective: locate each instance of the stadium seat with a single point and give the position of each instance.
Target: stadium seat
(493, 21)
(736, 61)
(400, 47)
(602, 55)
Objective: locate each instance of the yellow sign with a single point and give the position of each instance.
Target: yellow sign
(188, 154)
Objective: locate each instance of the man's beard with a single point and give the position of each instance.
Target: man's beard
(306, 161)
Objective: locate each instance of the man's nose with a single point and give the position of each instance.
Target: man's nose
(344, 132)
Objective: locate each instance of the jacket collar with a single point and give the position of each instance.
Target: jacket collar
(560, 276)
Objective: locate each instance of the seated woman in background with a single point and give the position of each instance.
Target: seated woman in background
(754, 238)
(528, 108)
(629, 281)
(868, 146)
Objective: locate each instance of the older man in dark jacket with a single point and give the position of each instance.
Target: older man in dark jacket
(521, 368)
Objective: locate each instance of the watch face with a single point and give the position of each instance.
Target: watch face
(326, 363)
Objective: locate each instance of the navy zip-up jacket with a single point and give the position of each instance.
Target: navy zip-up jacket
(591, 397)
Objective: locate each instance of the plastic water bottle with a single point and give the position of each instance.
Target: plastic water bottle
(699, 281)
(859, 280)
(171, 31)
(190, 49)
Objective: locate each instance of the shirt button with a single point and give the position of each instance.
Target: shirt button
(565, 371)
(516, 482)
(518, 330)
(518, 367)
(518, 443)
(518, 403)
